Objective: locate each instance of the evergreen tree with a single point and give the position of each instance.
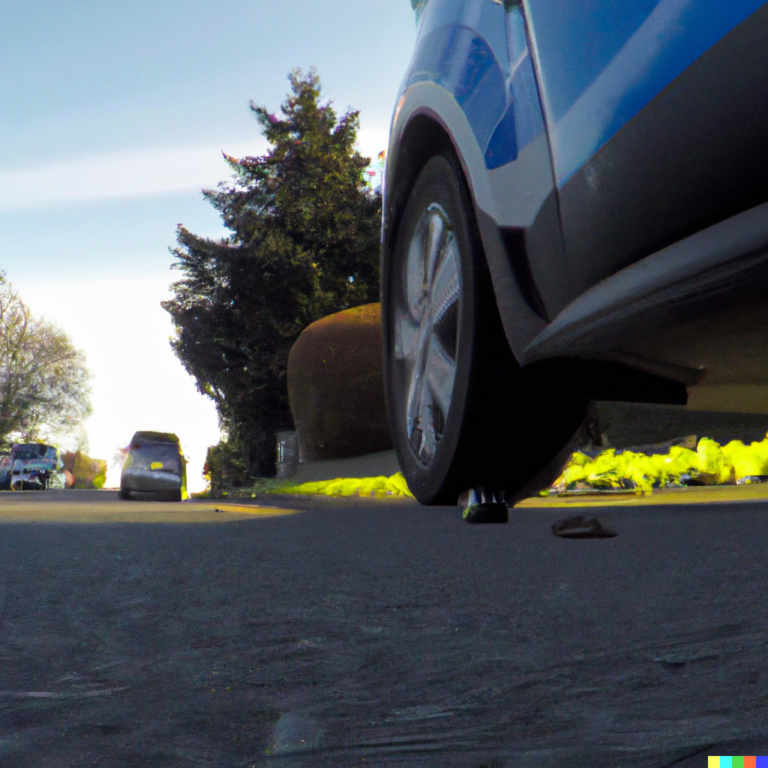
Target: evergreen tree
(304, 243)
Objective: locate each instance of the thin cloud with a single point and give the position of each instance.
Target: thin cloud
(119, 174)
(136, 173)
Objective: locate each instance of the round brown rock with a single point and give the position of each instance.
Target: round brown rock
(335, 386)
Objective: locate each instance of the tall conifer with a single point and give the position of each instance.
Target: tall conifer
(304, 243)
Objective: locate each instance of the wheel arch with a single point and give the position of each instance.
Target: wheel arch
(422, 138)
(427, 122)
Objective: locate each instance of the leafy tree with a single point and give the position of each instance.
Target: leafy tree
(44, 383)
(87, 472)
(304, 243)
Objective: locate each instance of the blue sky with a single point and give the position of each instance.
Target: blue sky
(113, 117)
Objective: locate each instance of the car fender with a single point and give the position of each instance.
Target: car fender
(429, 101)
(438, 104)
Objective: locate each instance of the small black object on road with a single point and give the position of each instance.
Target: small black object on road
(579, 528)
(485, 507)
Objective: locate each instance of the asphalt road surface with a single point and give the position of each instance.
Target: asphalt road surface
(378, 634)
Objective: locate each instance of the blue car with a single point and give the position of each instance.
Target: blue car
(575, 208)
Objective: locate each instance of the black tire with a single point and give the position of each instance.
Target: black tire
(123, 494)
(499, 428)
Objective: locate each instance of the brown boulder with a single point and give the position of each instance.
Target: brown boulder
(336, 388)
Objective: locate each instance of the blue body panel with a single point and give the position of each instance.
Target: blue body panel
(572, 111)
(604, 143)
(478, 52)
(600, 62)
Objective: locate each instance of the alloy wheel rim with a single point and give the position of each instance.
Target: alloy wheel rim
(426, 330)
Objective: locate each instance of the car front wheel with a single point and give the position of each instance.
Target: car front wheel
(448, 368)
(462, 412)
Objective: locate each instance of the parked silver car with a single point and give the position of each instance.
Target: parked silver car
(34, 466)
(155, 463)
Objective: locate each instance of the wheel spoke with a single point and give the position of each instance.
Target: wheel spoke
(425, 330)
(415, 276)
(435, 241)
(444, 292)
(417, 382)
(439, 371)
(406, 338)
(429, 438)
